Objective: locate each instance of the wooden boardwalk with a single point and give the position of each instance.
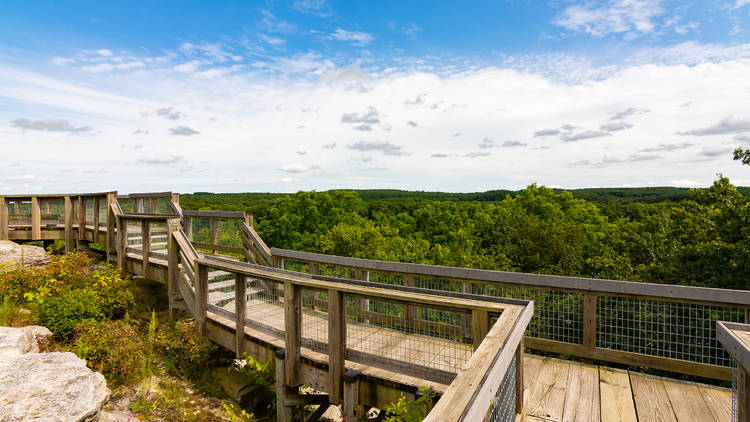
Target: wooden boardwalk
(558, 390)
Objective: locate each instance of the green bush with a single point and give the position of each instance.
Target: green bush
(113, 348)
(185, 352)
(411, 411)
(61, 314)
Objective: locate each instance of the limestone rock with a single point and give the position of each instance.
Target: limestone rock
(43, 387)
(11, 253)
(18, 341)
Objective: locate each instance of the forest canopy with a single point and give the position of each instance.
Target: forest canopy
(697, 237)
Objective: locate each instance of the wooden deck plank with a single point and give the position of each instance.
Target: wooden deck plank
(718, 400)
(582, 395)
(548, 393)
(687, 402)
(651, 400)
(616, 396)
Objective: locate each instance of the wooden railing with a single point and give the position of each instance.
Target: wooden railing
(247, 243)
(736, 340)
(492, 351)
(55, 217)
(659, 326)
(150, 203)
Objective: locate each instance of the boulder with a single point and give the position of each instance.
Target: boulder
(18, 341)
(12, 254)
(43, 387)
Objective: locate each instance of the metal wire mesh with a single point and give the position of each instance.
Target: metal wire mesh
(557, 315)
(221, 288)
(668, 329)
(438, 284)
(162, 206)
(336, 271)
(298, 266)
(127, 205)
(159, 238)
(19, 212)
(265, 306)
(102, 212)
(735, 386)
(52, 211)
(201, 229)
(133, 231)
(89, 211)
(385, 334)
(315, 320)
(386, 278)
(503, 404)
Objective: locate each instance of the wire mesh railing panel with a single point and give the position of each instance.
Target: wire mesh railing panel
(127, 205)
(503, 404)
(383, 333)
(102, 212)
(19, 212)
(315, 320)
(336, 271)
(134, 235)
(159, 236)
(298, 266)
(221, 290)
(386, 278)
(89, 211)
(52, 211)
(265, 306)
(557, 316)
(201, 230)
(163, 206)
(229, 232)
(674, 330)
(735, 391)
(438, 284)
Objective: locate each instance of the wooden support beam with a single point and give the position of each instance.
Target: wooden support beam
(283, 409)
(146, 245)
(240, 305)
(95, 236)
(81, 218)
(213, 232)
(173, 254)
(352, 410)
(69, 235)
(589, 320)
(480, 326)
(249, 220)
(743, 394)
(519, 378)
(201, 297)
(138, 205)
(122, 242)
(4, 219)
(36, 219)
(336, 344)
(110, 238)
(292, 332)
(188, 223)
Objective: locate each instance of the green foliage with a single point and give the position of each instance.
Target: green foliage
(185, 352)
(113, 348)
(61, 314)
(7, 310)
(235, 414)
(742, 155)
(259, 373)
(410, 411)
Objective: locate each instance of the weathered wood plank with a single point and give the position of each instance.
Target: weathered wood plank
(69, 235)
(215, 214)
(582, 396)
(336, 344)
(240, 306)
(616, 396)
(4, 219)
(718, 400)
(687, 402)
(292, 332)
(36, 219)
(201, 297)
(651, 400)
(547, 397)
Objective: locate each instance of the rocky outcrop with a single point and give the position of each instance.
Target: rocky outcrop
(12, 254)
(18, 341)
(43, 387)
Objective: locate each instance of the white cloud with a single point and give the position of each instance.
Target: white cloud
(616, 16)
(108, 67)
(357, 38)
(319, 8)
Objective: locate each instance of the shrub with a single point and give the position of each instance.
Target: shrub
(114, 292)
(61, 314)
(185, 352)
(410, 411)
(113, 348)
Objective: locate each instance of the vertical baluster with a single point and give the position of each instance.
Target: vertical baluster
(336, 344)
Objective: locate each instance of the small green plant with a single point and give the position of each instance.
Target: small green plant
(236, 414)
(63, 313)
(410, 411)
(113, 348)
(7, 310)
(185, 352)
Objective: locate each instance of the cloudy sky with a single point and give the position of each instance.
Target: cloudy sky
(421, 95)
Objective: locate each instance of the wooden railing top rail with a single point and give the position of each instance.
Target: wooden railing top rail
(143, 216)
(146, 195)
(580, 284)
(54, 195)
(736, 339)
(214, 214)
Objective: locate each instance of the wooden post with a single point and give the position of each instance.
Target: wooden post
(480, 326)
(743, 394)
(336, 345)
(213, 232)
(110, 238)
(173, 251)
(283, 409)
(188, 222)
(589, 320)
(4, 219)
(240, 305)
(201, 297)
(352, 410)
(145, 246)
(36, 219)
(410, 312)
(69, 239)
(249, 220)
(81, 218)
(138, 205)
(95, 237)
(519, 378)
(47, 208)
(278, 262)
(293, 332)
(122, 242)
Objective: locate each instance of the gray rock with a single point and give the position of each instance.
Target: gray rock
(18, 341)
(46, 387)
(12, 254)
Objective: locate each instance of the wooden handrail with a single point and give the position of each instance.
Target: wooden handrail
(736, 340)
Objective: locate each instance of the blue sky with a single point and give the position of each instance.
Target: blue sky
(318, 94)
